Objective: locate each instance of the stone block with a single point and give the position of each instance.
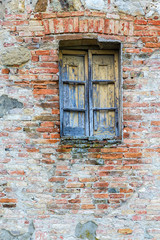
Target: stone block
(15, 56)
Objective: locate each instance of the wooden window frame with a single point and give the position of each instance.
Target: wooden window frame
(89, 93)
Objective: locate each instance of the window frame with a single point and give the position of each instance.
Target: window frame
(88, 55)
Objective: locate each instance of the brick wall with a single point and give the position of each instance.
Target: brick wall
(49, 185)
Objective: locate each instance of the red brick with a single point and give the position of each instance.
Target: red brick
(47, 124)
(43, 52)
(125, 231)
(149, 39)
(58, 25)
(132, 155)
(76, 24)
(75, 185)
(48, 65)
(55, 111)
(5, 71)
(112, 156)
(122, 190)
(111, 26)
(87, 179)
(68, 25)
(124, 27)
(43, 70)
(136, 218)
(49, 15)
(57, 179)
(95, 25)
(154, 22)
(127, 17)
(116, 195)
(63, 14)
(35, 58)
(38, 16)
(152, 45)
(32, 150)
(106, 26)
(147, 50)
(18, 172)
(95, 14)
(83, 25)
(88, 206)
(74, 201)
(43, 129)
(61, 201)
(101, 195)
(134, 50)
(8, 200)
(113, 150)
(77, 13)
(102, 206)
(155, 123)
(101, 26)
(132, 117)
(101, 184)
(48, 161)
(15, 23)
(140, 21)
(49, 58)
(46, 27)
(45, 91)
(146, 33)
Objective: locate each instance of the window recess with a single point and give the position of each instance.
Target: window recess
(89, 93)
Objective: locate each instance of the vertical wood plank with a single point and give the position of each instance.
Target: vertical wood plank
(61, 93)
(86, 76)
(90, 91)
(104, 94)
(117, 97)
(74, 95)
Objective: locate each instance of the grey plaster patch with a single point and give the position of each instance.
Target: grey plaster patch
(15, 56)
(69, 5)
(95, 5)
(130, 6)
(55, 5)
(112, 190)
(66, 5)
(2, 9)
(16, 235)
(6, 104)
(5, 37)
(15, 6)
(154, 8)
(147, 235)
(86, 230)
(4, 234)
(75, 5)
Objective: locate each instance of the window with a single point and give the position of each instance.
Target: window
(89, 93)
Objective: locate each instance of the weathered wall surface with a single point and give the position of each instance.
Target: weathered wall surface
(54, 189)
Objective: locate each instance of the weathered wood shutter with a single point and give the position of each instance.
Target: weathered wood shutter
(103, 89)
(89, 95)
(73, 93)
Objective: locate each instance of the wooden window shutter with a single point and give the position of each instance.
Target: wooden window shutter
(74, 93)
(89, 95)
(103, 93)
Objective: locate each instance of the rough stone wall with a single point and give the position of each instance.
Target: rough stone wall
(55, 189)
